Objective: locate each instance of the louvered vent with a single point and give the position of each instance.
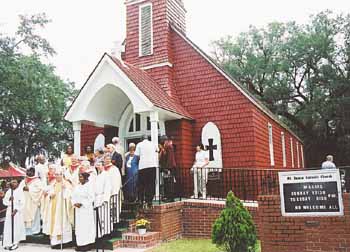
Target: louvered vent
(146, 40)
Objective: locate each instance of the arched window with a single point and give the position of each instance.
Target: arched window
(99, 142)
(211, 139)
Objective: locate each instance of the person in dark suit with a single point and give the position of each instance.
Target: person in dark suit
(117, 159)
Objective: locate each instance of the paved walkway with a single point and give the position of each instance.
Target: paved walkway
(45, 248)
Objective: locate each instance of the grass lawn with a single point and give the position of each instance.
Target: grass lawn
(185, 245)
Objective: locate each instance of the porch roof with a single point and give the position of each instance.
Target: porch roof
(150, 88)
(137, 86)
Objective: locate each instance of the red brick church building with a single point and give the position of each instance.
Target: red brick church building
(162, 83)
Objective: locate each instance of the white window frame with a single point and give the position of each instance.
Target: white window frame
(291, 151)
(272, 156)
(284, 159)
(302, 156)
(298, 155)
(140, 44)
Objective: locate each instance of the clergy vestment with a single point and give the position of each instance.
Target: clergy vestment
(33, 196)
(60, 219)
(45, 204)
(103, 188)
(85, 229)
(19, 229)
(115, 180)
(41, 172)
(72, 174)
(102, 195)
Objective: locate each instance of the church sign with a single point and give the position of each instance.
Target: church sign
(311, 193)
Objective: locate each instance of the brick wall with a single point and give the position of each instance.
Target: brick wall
(88, 135)
(199, 217)
(167, 219)
(190, 219)
(309, 234)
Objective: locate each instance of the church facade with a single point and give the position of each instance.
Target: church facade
(161, 83)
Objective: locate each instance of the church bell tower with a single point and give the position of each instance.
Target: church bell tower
(148, 36)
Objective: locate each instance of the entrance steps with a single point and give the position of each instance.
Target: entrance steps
(124, 236)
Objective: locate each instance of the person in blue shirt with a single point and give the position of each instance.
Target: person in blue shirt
(131, 170)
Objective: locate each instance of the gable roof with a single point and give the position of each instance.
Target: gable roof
(151, 89)
(148, 87)
(234, 82)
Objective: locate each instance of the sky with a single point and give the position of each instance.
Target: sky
(82, 30)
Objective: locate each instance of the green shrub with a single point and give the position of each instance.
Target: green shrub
(234, 230)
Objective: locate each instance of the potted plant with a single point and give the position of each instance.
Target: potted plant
(142, 225)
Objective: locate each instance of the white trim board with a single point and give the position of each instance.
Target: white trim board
(131, 2)
(157, 65)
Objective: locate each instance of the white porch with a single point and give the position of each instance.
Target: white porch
(110, 97)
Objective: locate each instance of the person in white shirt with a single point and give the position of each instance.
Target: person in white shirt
(328, 164)
(115, 179)
(41, 169)
(147, 154)
(102, 199)
(200, 172)
(15, 201)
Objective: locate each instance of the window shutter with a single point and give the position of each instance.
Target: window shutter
(146, 43)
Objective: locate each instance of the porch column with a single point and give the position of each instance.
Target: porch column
(154, 119)
(77, 130)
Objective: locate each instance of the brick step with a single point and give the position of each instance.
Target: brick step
(110, 243)
(134, 240)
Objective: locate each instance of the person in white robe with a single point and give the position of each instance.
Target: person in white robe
(82, 200)
(87, 168)
(102, 195)
(15, 195)
(115, 180)
(45, 200)
(60, 219)
(200, 172)
(41, 169)
(33, 190)
(71, 173)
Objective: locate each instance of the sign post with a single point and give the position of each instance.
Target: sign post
(311, 193)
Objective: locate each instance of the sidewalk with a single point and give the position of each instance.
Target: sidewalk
(45, 248)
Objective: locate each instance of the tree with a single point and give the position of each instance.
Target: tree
(33, 98)
(301, 73)
(234, 230)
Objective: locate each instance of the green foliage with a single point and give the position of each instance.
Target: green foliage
(234, 230)
(301, 73)
(33, 99)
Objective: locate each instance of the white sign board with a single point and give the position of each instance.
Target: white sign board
(311, 193)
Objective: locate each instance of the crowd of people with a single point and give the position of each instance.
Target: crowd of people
(56, 198)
